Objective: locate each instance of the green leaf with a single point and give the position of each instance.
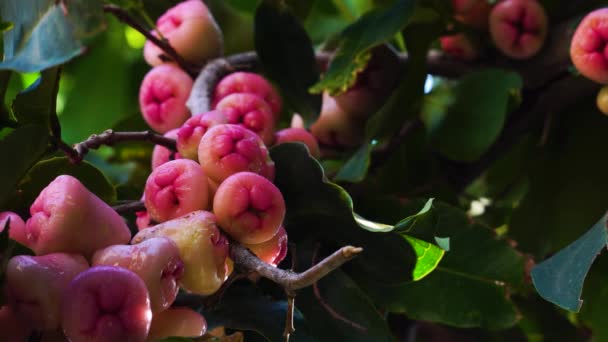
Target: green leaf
(5, 26)
(476, 117)
(371, 29)
(44, 172)
(402, 226)
(595, 299)
(288, 58)
(36, 104)
(428, 257)
(356, 167)
(46, 32)
(6, 118)
(25, 146)
(560, 278)
(244, 308)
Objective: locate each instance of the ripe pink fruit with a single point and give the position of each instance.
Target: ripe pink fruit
(228, 149)
(518, 27)
(177, 321)
(36, 285)
(161, 154)
(162, 97)
(66, 217)
(190, 134)
(142, 219)
(251, 83)
(201, 245)
(156, 261)
(299, 135)
(249, 208)
(106, 303)
(16, 226)
(272, 251)
(12, 327)
(458, 46)
(334, 127)
(588, 49)
(176, 188)
(191, 31)
(251, 112)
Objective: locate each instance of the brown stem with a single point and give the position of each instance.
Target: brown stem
(129, 207)
(163, 44)
(109, 137)
(289, 327)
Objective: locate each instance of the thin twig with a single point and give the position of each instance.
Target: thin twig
(110, 137)
(289, 327)
(163, 44)
(129, 207)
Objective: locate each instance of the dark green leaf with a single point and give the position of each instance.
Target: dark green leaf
(23, 147)
(243, 308)
(476, 117)
(5, 26)
(44, 172)
(402, 226)
(45, 32)
(560, 278)
(288, 58)
(6, 119)
(356, 167)
(373, 28)
(36, 104)
(595, 299)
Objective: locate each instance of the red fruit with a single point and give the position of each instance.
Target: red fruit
(251, 83)
(272, 251)
(251, 112)
(191, 31)
(177, 321)
(16, 226)
(66, 217)
(589, 49)
(162, 97)
(190, 134)
(458, 46)
(472, 12)
(36, 286)
(176, 188)
(202, 248)
(518, 27)
(156, 261)
(161, 154)
(106, 303)
(299, 135)
(228, 149)
(249, 208)
(12, 327)
(334, 127)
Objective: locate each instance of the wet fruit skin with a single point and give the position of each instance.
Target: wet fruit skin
(335, 128)
(16, 226)
(518, 27)
(589, 49)
(272, 251)
(192, 32)
(161, 154)
(189, 135)
(251, 112)
(177, 321)
(249, 208)
(298, 135)
(106, 303)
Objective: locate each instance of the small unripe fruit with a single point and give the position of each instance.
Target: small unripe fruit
(335, 127)
(202, 248)
(228, 149)
(68, 218)
(36, 286)
(177, 321)
(156, 261)
(518, 27)
(249, 208)
(602, 100)
(16, 226)
(190, 134)
(299, 135)
(272, 251)
(162, 97)
(458, 46)
(251, 83)
(12, 327)
(589, 48)
(251, 112)
(191, 31)
(161, 154)
(176, 188)
(106, 303)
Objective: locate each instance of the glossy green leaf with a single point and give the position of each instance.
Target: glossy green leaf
(36, 104)
(402, 226)
(25, 146)
(356, 167)
(244, 308)
(428, 257)
(6, 119)
(476, 117)
(288, 58)
(371, 29)
(560, 278)
(44, 172)
(46, 33)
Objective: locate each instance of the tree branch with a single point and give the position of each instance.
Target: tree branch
(109, 137)
(163, 44)
(128, 207)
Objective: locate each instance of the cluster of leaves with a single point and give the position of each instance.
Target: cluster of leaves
(467, 271)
